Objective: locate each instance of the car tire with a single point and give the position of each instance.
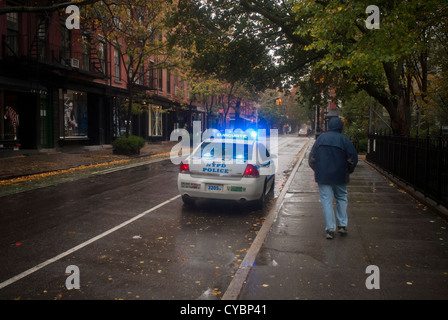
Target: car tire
(272, 185)
(260, 202)
(188, 201)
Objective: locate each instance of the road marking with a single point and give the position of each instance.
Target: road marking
(82, 245)
(235, 286)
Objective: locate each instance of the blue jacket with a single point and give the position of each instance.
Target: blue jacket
(333, 156)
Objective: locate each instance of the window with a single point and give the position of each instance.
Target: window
(119, 118)
(65, 43)
(85, 53)
(176, 84)
(74, 114)
(42, 29)
(168, 82)
(155, 121)
(160, 80)
(12, 23)
(117, 65)
(10, 117)
(225, 151)
(141, 76)
(151, 76)
(102, 56)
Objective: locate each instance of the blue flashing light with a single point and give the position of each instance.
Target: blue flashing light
(232, 135)
(250, 134)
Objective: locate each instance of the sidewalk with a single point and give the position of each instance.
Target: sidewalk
(20, 163)
(387, 228)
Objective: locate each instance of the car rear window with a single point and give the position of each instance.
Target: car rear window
(219, 150)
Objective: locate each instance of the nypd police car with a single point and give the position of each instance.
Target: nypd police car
(229, 167)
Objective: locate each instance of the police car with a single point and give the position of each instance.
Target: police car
(229, 167)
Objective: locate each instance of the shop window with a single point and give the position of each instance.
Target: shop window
(10, 123)
(155, 121)
(74, 113)
(119, 118)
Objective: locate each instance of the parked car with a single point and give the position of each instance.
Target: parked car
(242, 170)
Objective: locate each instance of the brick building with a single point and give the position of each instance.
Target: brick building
(55, 89)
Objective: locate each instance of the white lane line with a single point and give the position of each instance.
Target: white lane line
(82, 245)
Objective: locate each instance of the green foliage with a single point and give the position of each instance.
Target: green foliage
(380, 61)
(128, 146)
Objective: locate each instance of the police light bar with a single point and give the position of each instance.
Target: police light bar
(233, 135)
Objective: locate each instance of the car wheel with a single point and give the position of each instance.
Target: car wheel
(273, 184)
(260, 202)
(188, 201)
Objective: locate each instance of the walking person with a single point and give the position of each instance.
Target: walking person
(332, 158)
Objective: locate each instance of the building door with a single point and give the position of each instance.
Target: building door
(46, 123)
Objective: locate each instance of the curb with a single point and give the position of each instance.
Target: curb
(236, 285)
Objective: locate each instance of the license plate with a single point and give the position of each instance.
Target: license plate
(214, 187)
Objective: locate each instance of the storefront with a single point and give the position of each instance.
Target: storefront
(73, 115)
(25, 118)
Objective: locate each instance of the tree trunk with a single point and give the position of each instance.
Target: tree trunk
(399, 119)
(396, 101)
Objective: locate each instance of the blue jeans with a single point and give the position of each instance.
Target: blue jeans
(326, 193)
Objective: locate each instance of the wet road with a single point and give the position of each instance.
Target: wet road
(128, 234)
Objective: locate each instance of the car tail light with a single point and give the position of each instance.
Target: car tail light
(251, 171)
(184, 168)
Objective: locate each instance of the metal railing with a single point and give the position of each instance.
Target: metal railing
(422, 163)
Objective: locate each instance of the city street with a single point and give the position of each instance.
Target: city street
(129, 235)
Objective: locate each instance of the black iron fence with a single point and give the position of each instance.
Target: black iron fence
(420, 162)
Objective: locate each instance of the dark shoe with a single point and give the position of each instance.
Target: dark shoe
(330, 234)
(342, 230)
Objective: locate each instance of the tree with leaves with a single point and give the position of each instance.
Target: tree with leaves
(221, 45)
(378, 61)
(135, 29)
